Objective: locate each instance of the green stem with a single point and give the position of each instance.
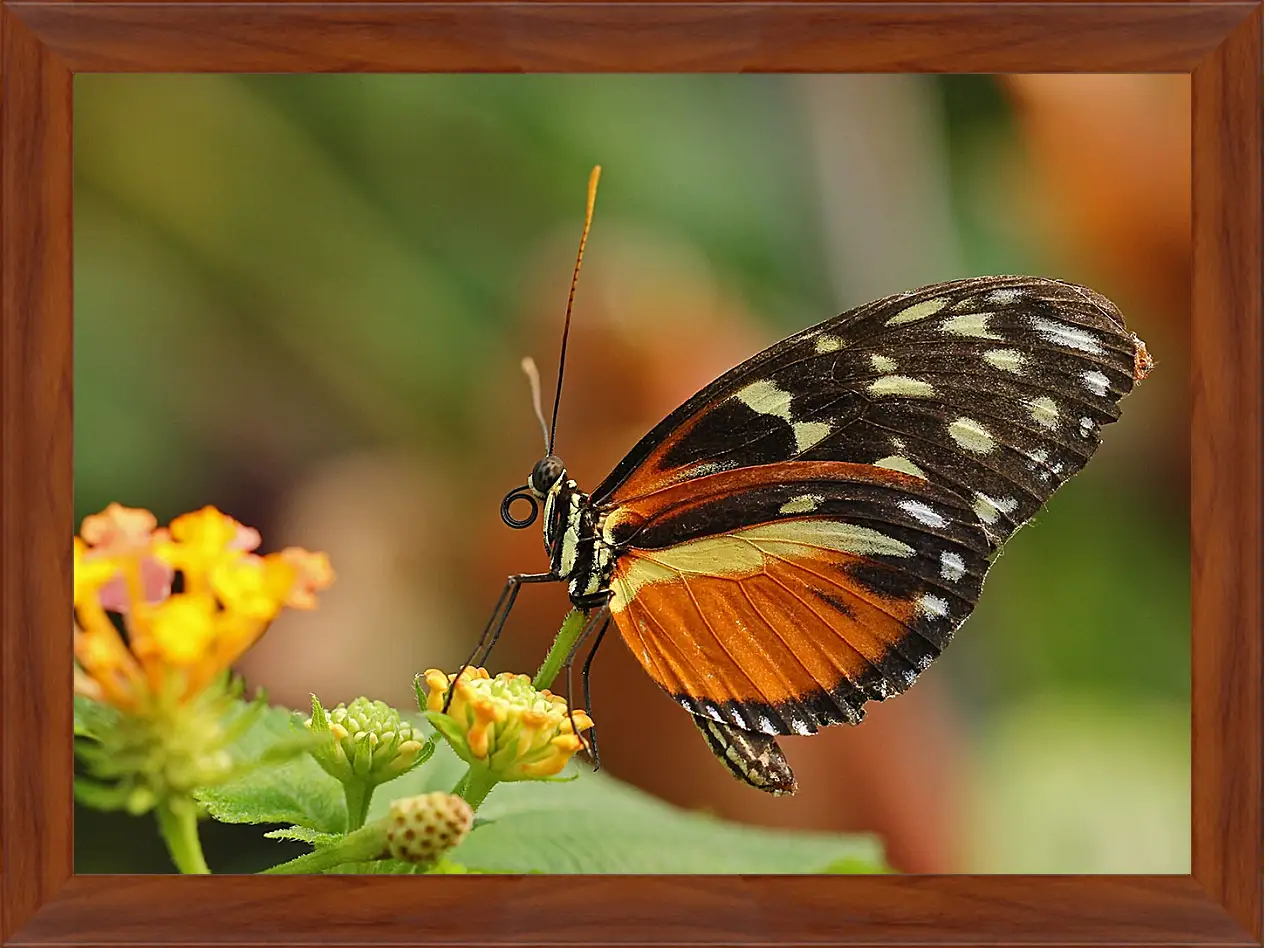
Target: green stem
(358, 794)
(459, 788)
(178, 824)
(476, 785)
(364, 845)
(565, 640)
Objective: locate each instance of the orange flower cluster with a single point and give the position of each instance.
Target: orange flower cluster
(176, 643)
(504, 724)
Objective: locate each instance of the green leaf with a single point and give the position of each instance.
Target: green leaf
(853, 866)
(92, 718)
(100, 796)
(303, 834)
(297, 791)
(595, 824)
(446, 726)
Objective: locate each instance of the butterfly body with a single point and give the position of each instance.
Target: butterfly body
(807, 532)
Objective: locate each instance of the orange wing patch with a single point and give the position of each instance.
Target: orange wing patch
(768, 627)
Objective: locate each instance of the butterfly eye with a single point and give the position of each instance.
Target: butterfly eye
(546, 473)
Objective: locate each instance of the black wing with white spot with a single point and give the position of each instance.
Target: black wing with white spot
(995, 388)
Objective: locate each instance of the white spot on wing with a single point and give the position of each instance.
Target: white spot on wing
(930, 605)
(918, 311)
(923, 513)
(765, 398)
(901, 385)
(804, 503)
(1008, 360)
(1087, 427)
(972, 436)
(808, 433)
(1039, 457)
(897, 462)
(828, 343)
(1064, 335)
(952, 567)
(1096, 382)
(969, 324)
(882, 363)
(990, 509)
(1004, 295)
(1044, 412)
(800, 726)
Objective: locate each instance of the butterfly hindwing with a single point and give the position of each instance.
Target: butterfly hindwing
(994, 387)
(780, 598)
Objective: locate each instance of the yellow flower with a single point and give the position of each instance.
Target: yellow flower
(176, 644)
(198, 543)
(91, 572)
(255, 586)
(182, 629)
(504, 724)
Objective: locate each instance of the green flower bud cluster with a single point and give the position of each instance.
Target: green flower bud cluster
(367, 742)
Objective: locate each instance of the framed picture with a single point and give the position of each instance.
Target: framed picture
(305, 299)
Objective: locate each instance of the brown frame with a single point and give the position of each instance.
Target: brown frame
(42, 45)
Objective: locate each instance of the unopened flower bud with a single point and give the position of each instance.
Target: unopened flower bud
(367, 741)
(423, 828)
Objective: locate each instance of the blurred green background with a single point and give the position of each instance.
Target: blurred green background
(304, 299)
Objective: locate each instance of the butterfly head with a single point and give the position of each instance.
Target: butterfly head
(548, 471)
(545, 478)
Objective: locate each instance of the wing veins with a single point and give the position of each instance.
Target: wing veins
(720, 641)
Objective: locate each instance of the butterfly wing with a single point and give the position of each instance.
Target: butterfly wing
(995, 388)
(780, 598)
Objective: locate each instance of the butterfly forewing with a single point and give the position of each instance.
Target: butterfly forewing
(780, 598)
(994, 388)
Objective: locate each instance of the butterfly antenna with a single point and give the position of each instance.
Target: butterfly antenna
(575, 275)
(533, 379)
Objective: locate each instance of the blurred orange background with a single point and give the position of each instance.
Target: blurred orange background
(304, 299)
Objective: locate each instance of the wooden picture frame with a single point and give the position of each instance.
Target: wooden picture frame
(42, 46)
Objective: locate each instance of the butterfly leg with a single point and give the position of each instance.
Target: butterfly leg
(496, 622)
(584, 684)
(599, 620)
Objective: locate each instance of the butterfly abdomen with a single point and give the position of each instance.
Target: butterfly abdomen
(754, 759)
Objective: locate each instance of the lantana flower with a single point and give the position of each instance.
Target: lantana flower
(503, 724)
(176, 643)
(165, 673)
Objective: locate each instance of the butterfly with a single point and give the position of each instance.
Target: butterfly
(806, 533)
